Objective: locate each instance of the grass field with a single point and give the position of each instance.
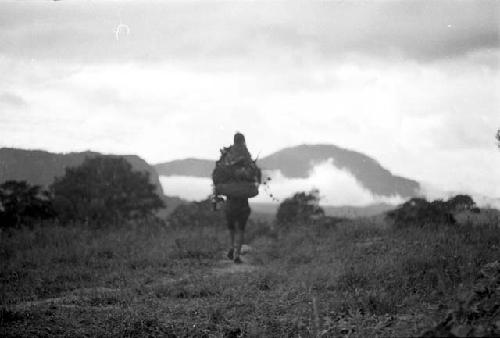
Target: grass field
(356, 279)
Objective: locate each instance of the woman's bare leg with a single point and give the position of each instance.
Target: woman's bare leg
(231, 227)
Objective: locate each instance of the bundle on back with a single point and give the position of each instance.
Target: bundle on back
(236, 174)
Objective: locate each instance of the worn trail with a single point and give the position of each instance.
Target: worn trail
(226, 266)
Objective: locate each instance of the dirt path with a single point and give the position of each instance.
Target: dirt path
(226, 266)
(73, 299)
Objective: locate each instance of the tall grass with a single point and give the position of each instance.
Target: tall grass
(356, 278)
(44, 261)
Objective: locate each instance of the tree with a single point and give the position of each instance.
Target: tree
(460, 203)
(301, 208)
(23, 204)
(420, 212)
(104, 189)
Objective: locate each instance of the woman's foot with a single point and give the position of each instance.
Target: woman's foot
(230, 253)
(238, 260)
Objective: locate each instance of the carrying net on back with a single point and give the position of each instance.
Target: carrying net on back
(236, 174)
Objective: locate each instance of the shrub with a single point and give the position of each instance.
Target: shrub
(196, 214)
(104, 190)
(461, 202)
(420, 212)
(300, 208)
(21, 203)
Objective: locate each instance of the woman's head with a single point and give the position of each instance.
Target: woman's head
(239, 138)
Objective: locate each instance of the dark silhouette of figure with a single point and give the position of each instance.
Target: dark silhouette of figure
(237, 208)
(237, 212)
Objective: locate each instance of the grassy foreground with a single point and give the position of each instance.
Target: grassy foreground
(356, 279)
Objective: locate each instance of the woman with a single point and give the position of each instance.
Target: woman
(237, 208)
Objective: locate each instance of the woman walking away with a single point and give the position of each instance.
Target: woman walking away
(237, 208)
(237, 177)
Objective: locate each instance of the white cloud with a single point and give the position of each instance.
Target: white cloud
(188, 188)
(337, 187)
(432, 192)
(428, 122)
(421, 99)
(85, 30)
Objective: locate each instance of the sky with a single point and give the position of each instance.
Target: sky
(413, 84)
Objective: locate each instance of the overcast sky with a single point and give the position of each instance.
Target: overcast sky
(414, 84)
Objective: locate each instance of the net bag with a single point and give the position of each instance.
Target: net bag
(237, 189)
(236, 174)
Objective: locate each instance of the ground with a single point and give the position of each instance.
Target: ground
(355, 279)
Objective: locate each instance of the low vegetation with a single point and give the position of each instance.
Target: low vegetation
(332, 277)
(102, 191)
(418, 212)
(302, 207)
(21, 203)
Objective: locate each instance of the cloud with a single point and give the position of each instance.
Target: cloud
(471, 171)
(12, 100)
(188, 188)
(257, 32)
(417, 120)
(412, 84)
(337, 187)
(432, 192)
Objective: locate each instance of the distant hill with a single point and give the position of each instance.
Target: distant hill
(188, 167)
(41, 167)
(296, 162)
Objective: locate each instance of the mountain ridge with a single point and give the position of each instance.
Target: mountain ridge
(41, 167)
(298, 161)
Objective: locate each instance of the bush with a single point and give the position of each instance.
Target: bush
(461, 202)
(420, 212)
(21, 203)
(104, 190)
(196, 214)
(300, 208)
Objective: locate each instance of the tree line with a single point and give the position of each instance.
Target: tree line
(102, 190)
(106, 190)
